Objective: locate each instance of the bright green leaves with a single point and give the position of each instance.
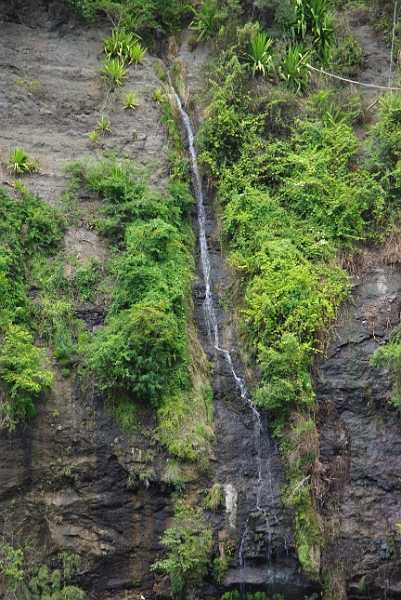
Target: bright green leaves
(23, 376)
(205, 22)
(20, 162)
(284, 242)
(189, 544)
(293, 68)
(259, 55)
(28, 228)
(142, 353)
(384, 147)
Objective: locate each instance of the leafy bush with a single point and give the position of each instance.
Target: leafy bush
(23, 376)
(384, 147)
(143, 352)
(139, 352)
(28, 228)
(41, 584)
(188, 543)
(166, 15)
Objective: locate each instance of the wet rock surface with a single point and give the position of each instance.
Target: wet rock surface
(255, 519)
(71, 480)
(360, 436)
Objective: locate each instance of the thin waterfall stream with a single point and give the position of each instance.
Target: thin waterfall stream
(213, 335)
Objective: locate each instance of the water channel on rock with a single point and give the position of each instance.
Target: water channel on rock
(264, 483)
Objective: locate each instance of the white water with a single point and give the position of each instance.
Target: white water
(213, 330)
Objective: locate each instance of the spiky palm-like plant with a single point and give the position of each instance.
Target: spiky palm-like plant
(130, 101)
(113, 71)
(136, 54)
(259, 55)
(104, 124)
(205, 22)
(20, 161)
(118, 44)
(294, 68)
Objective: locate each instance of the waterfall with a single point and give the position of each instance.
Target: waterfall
(213, 331)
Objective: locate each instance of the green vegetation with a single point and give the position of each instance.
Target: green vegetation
(214, 497)
(20, 162)
(118, 45)
(384, 161)
(259, 55)
(104, 124)
(143, 354)
(293, 196)
(136, 54)
(236, 595)
(94, 136)
(145, 17)
(113, 71)
(189, 543)
(17, 580)
(29, 228)
(389, 357)
(23, 375)
(158, 95)
(205, 22)
(130, 101)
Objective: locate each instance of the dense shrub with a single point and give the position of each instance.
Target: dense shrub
(29, 228)
(188, 542)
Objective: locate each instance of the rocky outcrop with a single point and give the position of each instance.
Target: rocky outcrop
(360, 437)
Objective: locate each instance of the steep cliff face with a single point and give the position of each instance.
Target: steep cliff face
(360, 436)
(66, 478)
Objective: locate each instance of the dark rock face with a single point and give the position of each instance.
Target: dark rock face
(65, 478)
(64, 486)
(248, 463)
(360, 436)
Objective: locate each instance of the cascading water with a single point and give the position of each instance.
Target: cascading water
(213, 335)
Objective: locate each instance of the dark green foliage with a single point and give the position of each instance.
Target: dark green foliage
(37, 583)
(205, 22)
(384, 147)
(188, 543)
(236, 595)
(142, 352)
(142, 16)
(312, 19)
(277, 14)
